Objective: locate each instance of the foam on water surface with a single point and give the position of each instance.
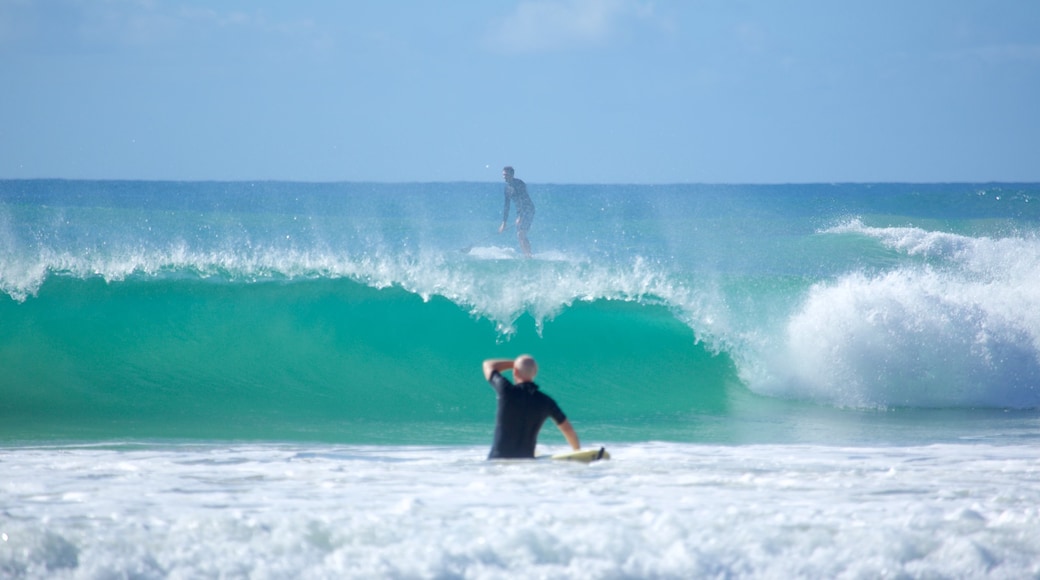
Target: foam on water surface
(654, 510)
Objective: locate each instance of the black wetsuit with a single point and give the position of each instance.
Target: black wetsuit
(516, 192)
(522, 409)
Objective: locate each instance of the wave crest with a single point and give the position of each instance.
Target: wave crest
(961, 331)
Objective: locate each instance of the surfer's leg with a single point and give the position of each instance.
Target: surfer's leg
(524, 244)
(523, 223)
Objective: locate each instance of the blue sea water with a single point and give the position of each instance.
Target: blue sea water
(283, 380)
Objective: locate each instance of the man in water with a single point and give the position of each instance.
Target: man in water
(522, 409)
(516, 191)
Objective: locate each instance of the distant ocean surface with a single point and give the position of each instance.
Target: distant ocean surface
(282, 380)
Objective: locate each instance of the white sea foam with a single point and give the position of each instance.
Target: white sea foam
(959, 329)
(654, 511)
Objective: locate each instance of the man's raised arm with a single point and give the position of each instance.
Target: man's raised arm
(496, 364)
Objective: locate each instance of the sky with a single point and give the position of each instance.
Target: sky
(566, 91)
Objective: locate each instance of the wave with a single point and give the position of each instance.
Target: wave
(954, 323)
(325, 357)
(742, 285)
(488, 281)
(959, 328)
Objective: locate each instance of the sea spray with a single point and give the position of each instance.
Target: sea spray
(960, 328)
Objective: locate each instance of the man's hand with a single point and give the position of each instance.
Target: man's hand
(568, 433)
(496, 364)
(502, 227)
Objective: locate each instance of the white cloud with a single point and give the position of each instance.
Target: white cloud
(550, 25)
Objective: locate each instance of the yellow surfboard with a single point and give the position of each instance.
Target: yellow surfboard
(584, 455)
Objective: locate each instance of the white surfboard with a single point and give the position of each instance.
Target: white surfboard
(583, 455)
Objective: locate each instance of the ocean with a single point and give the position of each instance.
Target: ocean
(283, 380)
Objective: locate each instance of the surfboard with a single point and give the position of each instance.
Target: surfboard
(584, 455)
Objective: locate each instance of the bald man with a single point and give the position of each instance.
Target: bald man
(522, 409)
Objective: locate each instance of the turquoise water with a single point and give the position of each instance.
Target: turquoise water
(318, 358)
(282, 380)
(359, 313)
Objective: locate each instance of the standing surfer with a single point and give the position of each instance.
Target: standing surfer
(516, 192)
(522, 409)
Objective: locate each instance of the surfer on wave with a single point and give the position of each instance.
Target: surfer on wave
(516, 192)
(522, 409)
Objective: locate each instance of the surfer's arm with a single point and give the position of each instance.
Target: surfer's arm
(568, 432)
(496, 364)
(505, 213)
